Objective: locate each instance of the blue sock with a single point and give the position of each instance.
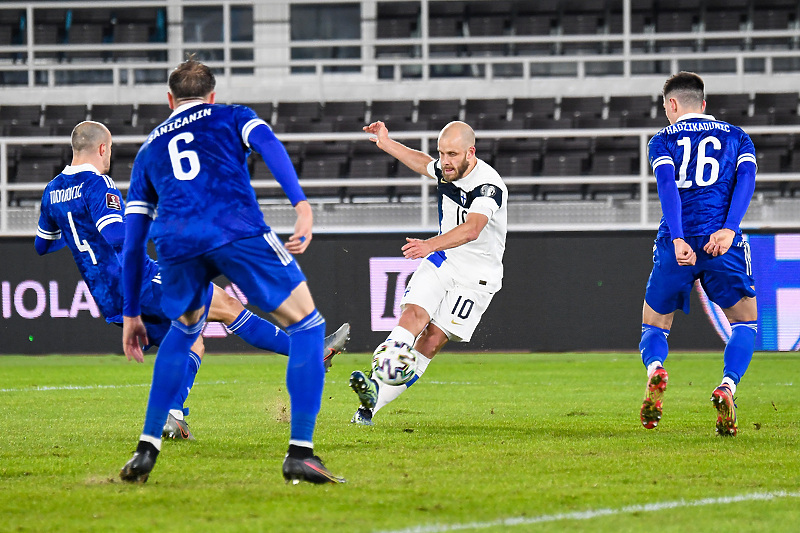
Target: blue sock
(188, 383)
(653, 345)
(169, 372)
(260, 333)
(305, 376)
(739, 350)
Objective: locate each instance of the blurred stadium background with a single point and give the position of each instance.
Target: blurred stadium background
(564, 96)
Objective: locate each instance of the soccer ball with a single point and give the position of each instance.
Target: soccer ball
(394, 363)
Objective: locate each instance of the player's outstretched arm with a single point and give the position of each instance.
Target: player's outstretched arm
(301, 237)
(413, 159)
(134, 336)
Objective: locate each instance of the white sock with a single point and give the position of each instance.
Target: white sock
(652, 368)
(401, 335)
(177, 413)
(729, 382)
(389, 393)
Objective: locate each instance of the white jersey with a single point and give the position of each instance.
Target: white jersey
(479, 263)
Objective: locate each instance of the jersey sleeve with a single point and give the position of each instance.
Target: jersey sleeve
(47, 229)
(142, 198)
(434, 169)
(658, 153)
(488, 199)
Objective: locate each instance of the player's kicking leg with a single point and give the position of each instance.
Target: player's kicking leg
(374, 394)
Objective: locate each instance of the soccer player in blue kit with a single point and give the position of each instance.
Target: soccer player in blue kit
(705, 170)
(193, 170)
(82, 209)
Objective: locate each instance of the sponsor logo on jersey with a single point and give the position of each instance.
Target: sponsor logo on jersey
(113, 201)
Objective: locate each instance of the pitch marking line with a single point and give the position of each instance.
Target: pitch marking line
(97, 387)
(588, 515)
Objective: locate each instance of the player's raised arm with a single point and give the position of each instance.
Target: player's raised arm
(413, 159)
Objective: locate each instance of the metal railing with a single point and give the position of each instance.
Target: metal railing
(422, 204)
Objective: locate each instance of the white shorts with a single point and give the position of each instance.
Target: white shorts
(453, 308)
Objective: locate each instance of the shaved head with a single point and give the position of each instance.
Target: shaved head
(458, 132)
(91, 143)
(456, 150)
(89, 135)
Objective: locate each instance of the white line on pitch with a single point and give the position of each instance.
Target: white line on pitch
(92, 387)
(588, 515)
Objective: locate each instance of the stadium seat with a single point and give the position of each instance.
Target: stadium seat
(391, 110)
(148, 116)
(775, 106)
(112, 115)
(576, 107)
(64, 115)
(625, 107)
(81, 34)
(25, 115)
(305, 112)
(352, 112)
(263, 109)
(728, 107)
(772, 160)
(323, 167)
(438, 112)
(476, 110)
(533, 108)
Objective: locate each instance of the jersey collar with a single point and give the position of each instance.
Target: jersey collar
(184, 107)
(688, 116)
(86, 167)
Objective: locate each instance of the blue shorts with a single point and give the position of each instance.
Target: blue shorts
(155, 321)
(726, 278)
(261, 266)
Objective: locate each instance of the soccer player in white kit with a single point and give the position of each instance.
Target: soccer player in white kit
(451, 289)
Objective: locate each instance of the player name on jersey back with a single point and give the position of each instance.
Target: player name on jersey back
(178, 123)
(65, 195)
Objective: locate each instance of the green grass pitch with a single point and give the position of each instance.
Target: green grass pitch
(484, 442)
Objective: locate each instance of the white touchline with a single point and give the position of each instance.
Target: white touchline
(91, 387)
(588, 515)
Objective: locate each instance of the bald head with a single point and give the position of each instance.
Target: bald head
(459, 133)
(91, 143)
(89, 135)
(456, 150)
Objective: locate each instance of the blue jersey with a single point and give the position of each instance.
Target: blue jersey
(203, 194)
(76, 206)
(705, 154)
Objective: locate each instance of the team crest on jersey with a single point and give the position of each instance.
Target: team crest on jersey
(113, 201)
(488, 190)
(463, 198)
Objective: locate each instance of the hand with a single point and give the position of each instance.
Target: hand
(301, 238)
(719, 242)
(134, 336)
(684, 253)
(379, 130)
(416, 248)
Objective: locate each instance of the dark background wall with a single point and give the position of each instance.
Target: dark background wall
(562, 292)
